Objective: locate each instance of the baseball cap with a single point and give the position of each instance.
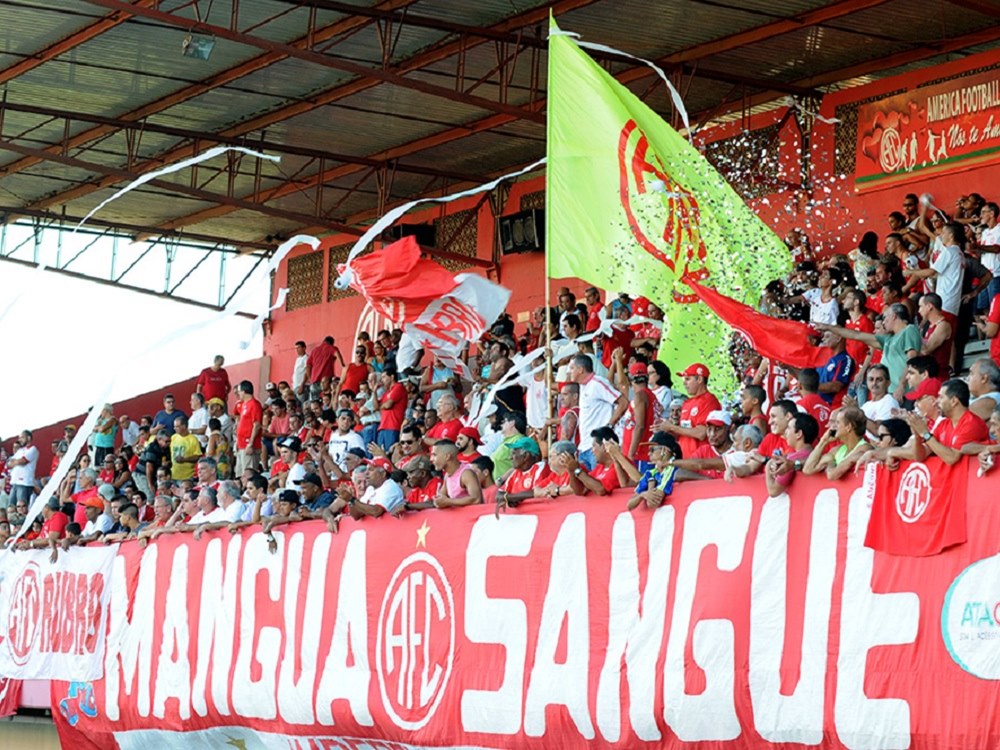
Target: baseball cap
(637, 369)
(94, 501)
(359, 452)
(719, 417)
(292, 443)
(928, 387)
(695, 369)
(270, 386)
(310, 478)
(640, 306)
(216, 400)
(382, 463)
(665, 438)
(107, 491)
(472, 433)
(288, 496)
(526, 444)
(418, 463)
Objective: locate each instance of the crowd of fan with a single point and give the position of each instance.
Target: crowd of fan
(360, 439)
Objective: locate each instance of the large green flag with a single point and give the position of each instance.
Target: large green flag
(631, 206)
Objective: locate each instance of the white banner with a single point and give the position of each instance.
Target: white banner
(53, 616)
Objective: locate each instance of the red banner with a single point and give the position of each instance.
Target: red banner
(935, 129)
(919, 509)
(10, 696)
(724, 619)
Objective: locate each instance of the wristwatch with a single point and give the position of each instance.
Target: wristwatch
(797, 465)
(577, 471)
(926, 436)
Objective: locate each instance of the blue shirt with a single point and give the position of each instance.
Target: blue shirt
(656, 479)
(838, 370)
(322, 501)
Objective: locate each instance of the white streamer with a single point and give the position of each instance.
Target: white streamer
(210, 154)
(480, 411)
(344, 280)
(675, 95)
(790, 102)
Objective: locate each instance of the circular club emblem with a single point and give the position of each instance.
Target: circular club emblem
(914, 493)
(694, 411)
(24, 616)
(416, 641)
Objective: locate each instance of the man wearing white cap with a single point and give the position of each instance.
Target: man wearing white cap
(692, 432)
(708, 459)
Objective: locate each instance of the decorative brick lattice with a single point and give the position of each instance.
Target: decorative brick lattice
(338, 254)
(305, 281)
(457, 233)
(533, 200)
(748, 161)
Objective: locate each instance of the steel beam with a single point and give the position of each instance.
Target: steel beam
(176, 187)
(68, 43)
(133, 230)
(327, 61)
(317, 36)
(130, 287)
(434, 54)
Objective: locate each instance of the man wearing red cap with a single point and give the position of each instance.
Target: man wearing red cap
(643, 410)
(692, 431)
(708, 460)
(467, 441)
(382, 494)
(921, 378)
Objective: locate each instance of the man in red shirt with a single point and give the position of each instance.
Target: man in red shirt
(467, 441)
(249, 429)
(707, 460)
(321, 366)
(355, 373)
(393, 409)
(644, 409)
(448, 425)
(423, 485)
(213, 382)
(53, 528)
(528, 471)
(608, 473)
(959, 426)
(811, 402)
(855, 302)
(592, 296)
(692, 430)
(989, 326)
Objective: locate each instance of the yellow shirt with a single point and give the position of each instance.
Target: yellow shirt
(183, 447)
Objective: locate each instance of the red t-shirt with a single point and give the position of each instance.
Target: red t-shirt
(79, 512)
(560, 480)
(522, 481)
(594, 317)
(654, 409)
(970, 429)
(57, 522)
(445, 430)
(321, 361)
(619, 339)
(424, 494)
(772, 443)
(250, 412)
(695, 412)
(214, 383)
(814, 405)
(858, 350)
(606, 475)
(994, 317)
(707, 451)
(392, 418)
(354, 376)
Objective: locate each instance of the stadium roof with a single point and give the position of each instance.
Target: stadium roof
(372, 104)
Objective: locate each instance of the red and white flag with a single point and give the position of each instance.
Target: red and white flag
(438, 312)
(776, 339)
(918, 509)
(10, 696)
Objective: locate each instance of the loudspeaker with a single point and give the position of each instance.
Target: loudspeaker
(425, 234)
(522, 232)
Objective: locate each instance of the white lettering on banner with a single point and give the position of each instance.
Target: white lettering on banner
(295, 698)
(566, 600)
(339, 681)
(216, 625)
(255, 699)
(503, 622)
(408, 646)
(798, 717)
(128, 659)
(722, 522)
(890, 619)
(173, 676)
(635, 632)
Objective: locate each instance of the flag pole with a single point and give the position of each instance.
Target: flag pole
(548, 279)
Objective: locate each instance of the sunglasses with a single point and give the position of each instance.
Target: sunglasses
(883, 435)
(407, 442)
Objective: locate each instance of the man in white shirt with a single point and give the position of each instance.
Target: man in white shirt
(601, 405)
(989, 253)
(217, 410)
(880, 404)
(344, 438)
(300, 370)
(198, 421)
(128, 429)
(22, 467)
(945, 274)
(382, 494)
(208, 508)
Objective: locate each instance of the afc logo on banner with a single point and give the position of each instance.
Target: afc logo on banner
(24, 615)
(914, 493)
(416, 641)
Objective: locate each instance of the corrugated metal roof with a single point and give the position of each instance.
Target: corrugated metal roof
(138, 64)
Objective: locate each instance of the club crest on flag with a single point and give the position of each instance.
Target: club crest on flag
(914, 493)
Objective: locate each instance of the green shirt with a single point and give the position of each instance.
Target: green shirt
(502, 461)
(894, 349)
